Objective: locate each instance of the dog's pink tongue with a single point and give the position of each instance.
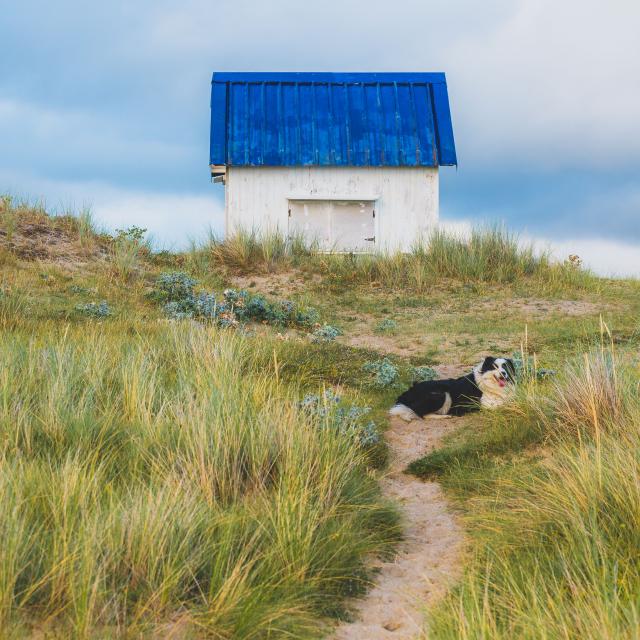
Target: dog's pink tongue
(501, 382)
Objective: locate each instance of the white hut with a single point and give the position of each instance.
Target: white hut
(350, 160)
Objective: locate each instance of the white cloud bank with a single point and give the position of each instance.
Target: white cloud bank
(604, 257)
(172, 219)
(539, 83)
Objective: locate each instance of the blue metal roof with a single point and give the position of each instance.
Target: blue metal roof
(331, 119)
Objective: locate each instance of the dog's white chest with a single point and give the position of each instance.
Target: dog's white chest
(491, 400)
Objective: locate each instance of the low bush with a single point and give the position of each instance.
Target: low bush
(423, 374)
(97, 310)
(386, 326)
(176, 291)
(526, 367)
(325, 333)
(128, 247)
(383, 373)
(327, 412)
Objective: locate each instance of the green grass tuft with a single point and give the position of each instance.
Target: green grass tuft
(555, 531)
(489, 255)
(170, 476)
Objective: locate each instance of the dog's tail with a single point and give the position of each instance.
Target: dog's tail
(402, 411)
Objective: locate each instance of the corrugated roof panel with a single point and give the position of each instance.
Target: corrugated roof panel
(331, 119)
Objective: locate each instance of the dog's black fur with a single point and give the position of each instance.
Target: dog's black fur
(457, 396)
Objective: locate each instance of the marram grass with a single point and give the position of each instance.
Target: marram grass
(558, 542)
(488, 255)
(169, 480)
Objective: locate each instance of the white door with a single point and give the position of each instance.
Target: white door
(335, 225)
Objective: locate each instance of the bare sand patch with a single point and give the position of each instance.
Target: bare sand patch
(41, 239)
(385, 344)
(539, 307)
(282, 283)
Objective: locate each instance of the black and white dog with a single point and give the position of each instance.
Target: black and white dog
(488, 385)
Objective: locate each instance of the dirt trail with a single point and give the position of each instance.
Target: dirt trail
(428, 559)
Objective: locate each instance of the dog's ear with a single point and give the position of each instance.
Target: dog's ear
(488, 364)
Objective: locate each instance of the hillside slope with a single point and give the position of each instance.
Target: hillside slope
(191, 442)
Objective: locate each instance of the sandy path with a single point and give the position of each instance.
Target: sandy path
(428, 559)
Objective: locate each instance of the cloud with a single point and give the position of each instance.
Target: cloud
(77, 143)
(551, 86)
(535, 81)
(563, 204)
(604, 257)
(172, 219)
(544, 94)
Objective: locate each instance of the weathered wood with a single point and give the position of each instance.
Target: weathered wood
(405, 198)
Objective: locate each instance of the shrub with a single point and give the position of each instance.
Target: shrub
(383, 372)
(97, 310)
(526, 367)
(308, 317)
(327, 413)
(174, 286)
(127, 247)
(386, 326)
(326, 333)
(176, 290)
(280, 312)
(423, 373)
(256, 308)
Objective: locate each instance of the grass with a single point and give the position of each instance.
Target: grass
(86, 227)
(556, 531)
(160, 478)
(8, 217)
(171, 476)
(491, 255)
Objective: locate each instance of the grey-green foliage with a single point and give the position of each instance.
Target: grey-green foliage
(423, 373)
(325, 333)
(525, 367)
(94, 309)
(327, 412)
(176, 291)
(386, 326)
(383, 373)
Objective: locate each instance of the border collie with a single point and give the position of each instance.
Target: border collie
(486, 386)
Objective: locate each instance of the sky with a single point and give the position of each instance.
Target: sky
(107, 105)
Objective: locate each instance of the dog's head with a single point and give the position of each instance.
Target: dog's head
(495, 374)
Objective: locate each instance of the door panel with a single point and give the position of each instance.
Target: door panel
(352, 223)
(335, 225)
(311, 219)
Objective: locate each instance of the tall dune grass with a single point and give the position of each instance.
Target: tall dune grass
(491, 255)
(558, 552)
(170, 481)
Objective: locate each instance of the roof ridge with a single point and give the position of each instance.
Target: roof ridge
(430, 77)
